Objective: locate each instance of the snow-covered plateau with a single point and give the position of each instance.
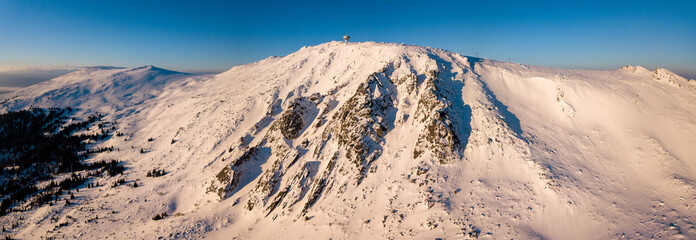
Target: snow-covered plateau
(375, 141)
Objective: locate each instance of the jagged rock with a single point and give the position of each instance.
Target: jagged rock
(361, 123)
(276, 201)
(315, 98)
(290, 124)
(411, 81)
(266, 185)
(294, 119)
(439, 136)
(298, 186)
(225, 182)
(319, 185)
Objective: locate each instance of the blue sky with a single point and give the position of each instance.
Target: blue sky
(208, 36)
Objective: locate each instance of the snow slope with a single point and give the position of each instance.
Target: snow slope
(378, 140)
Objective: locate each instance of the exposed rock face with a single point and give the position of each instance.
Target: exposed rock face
(296, 117)
(266, 186)
(320, 184)
(227, 179)
(439, 136)
(290, 123)
(357, 129)
(360, 124)
(225, 182)
(410, 80)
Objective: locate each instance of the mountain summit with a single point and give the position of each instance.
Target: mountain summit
(379, 140)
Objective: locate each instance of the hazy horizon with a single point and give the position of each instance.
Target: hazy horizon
(213, 37)
(16, 78)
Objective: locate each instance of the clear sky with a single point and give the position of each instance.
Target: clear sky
(205, 36)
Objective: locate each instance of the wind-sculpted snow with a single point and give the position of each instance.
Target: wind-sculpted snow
(378, 140)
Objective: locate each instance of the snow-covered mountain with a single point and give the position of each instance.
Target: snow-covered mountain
(377, 140)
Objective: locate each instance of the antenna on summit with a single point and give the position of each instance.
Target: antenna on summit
(346, 37)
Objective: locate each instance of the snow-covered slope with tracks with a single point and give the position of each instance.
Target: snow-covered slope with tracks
(378, 140)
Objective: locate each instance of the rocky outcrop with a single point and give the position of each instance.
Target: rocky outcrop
(410, 81)
(266, 185)
(290, 123)
(319, 185)
(226, 181)
(361, 123)
(297, 116)
(439, 136)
